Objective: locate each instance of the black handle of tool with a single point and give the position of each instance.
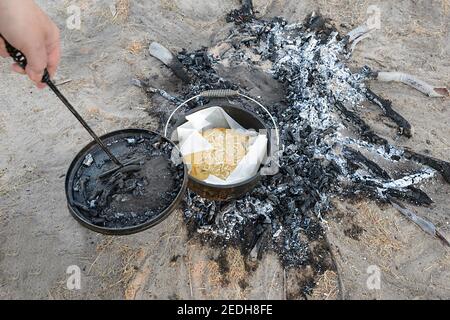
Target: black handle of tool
(21, 60)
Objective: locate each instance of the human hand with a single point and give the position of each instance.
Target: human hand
(26, 27)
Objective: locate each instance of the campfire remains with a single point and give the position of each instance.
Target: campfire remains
(328, 149)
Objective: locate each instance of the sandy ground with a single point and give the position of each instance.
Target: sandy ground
(39, 240)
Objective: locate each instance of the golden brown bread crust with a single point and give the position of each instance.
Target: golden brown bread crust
(229, 146)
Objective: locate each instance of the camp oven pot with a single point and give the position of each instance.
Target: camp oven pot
(246, 119)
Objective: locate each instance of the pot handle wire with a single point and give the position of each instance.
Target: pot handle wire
(224, 93)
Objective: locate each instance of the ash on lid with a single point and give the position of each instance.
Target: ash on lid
(131, 195)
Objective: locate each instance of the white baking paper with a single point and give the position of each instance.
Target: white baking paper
(190, 140)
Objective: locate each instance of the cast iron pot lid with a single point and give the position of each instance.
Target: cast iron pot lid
(134, 198)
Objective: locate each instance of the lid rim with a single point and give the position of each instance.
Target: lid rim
(129, 229)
